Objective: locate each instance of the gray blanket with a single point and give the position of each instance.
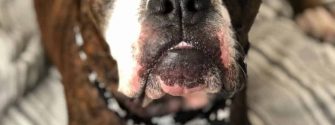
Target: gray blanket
(291, 79)
(30, 93)
(291, 76)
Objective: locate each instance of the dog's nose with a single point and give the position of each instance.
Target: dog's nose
(180, 7)
(194, 6)
(161, 6)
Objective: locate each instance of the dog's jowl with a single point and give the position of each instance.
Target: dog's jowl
(186, 48)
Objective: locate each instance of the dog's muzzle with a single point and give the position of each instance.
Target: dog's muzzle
(184, 47)
(185, 53)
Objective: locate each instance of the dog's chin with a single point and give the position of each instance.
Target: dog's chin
(184, 71)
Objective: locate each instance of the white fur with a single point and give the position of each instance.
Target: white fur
(122, 32)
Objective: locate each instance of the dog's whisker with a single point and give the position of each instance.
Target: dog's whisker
(243, 72)
(239, 45)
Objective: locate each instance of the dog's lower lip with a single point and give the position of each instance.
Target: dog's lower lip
(180, 91)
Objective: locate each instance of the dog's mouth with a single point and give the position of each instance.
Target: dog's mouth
(180, 70)
(183, 70)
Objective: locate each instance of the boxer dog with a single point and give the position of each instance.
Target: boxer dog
(185, 57)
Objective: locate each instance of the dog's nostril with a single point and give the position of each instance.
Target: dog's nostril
(160, 6)
(196, 5)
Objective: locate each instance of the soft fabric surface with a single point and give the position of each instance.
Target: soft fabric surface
(30, 93)
(291, 79)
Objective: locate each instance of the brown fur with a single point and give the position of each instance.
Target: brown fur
(57, 21)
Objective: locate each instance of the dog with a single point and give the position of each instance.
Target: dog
(182, 56)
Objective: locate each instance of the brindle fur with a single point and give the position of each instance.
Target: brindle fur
(57, 20)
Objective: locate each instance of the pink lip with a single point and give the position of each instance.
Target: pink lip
(177, 90)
